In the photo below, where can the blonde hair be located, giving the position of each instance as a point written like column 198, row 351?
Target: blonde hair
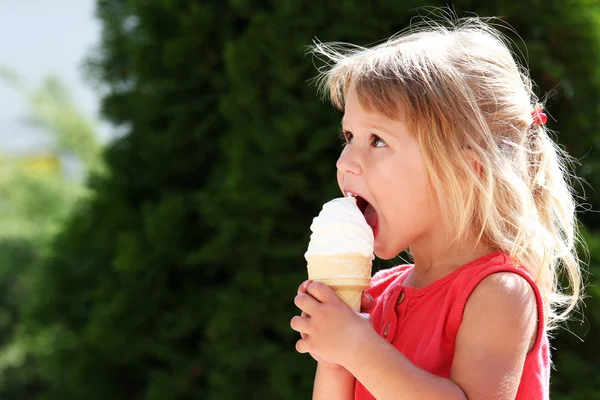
column 458, row 87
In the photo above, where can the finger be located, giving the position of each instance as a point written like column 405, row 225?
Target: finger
column 306, row 303
column 304, row 315
column 366, row 302
column 322, row 292
column 303, row 286
column 300, row 324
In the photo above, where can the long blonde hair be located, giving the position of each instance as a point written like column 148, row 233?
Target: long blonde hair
column 458, row 87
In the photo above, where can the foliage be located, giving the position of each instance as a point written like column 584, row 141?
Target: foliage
column 34, row 202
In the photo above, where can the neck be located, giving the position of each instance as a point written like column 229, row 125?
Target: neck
column 434, row 261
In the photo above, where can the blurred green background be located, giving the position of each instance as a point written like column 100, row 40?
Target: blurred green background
column 169, row 272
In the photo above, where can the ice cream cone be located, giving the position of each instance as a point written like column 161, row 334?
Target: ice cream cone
column 347, row 274
column 340, row 250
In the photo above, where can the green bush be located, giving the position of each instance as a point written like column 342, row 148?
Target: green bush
column 34, row 202
column 176, row 280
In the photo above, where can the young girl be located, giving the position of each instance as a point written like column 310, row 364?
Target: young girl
column 447, row 151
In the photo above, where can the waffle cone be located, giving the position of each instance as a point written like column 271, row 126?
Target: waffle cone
column 347, row 274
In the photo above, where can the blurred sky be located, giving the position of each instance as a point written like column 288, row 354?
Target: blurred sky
column 38, row 37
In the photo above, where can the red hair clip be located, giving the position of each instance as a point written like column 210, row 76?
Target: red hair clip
column 539, row 117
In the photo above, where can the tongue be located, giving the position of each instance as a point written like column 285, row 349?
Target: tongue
column 371, row 216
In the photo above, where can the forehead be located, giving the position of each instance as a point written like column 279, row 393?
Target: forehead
column 357, row 113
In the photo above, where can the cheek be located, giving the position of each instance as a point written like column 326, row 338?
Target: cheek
column 405, row 206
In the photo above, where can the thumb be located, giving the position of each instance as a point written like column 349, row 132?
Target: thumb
column 366, row 302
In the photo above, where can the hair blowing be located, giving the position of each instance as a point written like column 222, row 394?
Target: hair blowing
column 464, row 97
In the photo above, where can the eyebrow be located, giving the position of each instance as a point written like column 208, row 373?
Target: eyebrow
column 378, row 127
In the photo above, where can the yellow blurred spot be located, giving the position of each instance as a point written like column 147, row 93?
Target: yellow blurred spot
column 43, row 164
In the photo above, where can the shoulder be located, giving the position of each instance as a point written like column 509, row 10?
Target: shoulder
column 498, row 292
column 503, row 308
column 509, row 294
column 504, row 299
column 495, row 283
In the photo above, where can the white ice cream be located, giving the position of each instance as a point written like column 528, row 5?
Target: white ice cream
column 340, row 228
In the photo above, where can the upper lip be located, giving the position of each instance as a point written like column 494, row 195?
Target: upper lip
column 349, row 191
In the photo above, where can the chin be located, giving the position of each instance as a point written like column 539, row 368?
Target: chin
column 387, row 253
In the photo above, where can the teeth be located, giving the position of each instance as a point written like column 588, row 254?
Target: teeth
column 348, row 194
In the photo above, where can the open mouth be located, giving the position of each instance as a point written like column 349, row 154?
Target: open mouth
column 362, row 204
column 367, row 210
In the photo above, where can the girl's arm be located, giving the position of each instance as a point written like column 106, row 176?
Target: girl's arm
column 333, row 383
column 498, row 328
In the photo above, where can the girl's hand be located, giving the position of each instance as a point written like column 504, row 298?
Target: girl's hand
column 302, row 289
column 327, row 333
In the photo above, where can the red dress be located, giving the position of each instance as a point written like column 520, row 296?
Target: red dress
column 423, row 323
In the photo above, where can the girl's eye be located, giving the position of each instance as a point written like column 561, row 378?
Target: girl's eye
column 376, row 141
column 346, row 136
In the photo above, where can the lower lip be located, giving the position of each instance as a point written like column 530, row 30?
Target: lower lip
column 375, row 229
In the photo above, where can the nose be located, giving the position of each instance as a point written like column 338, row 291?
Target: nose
column 349, row 161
